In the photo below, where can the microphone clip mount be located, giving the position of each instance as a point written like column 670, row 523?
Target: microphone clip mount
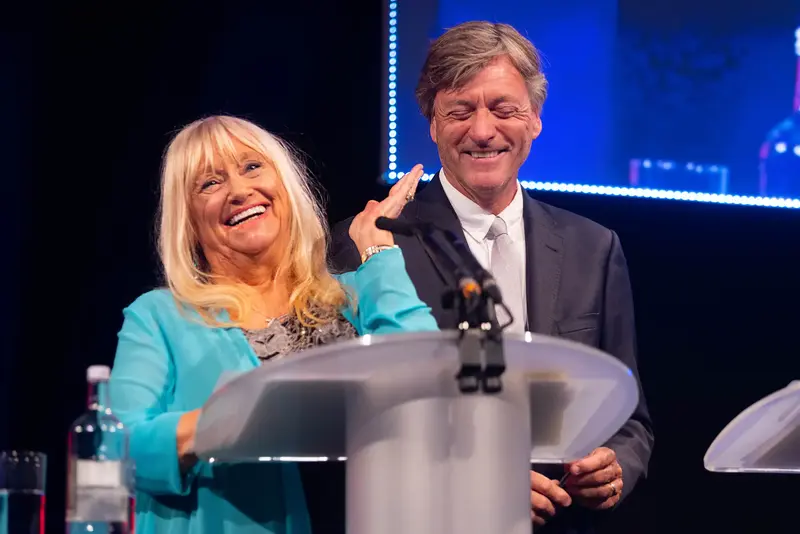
column 480, row 341
column 473, row 294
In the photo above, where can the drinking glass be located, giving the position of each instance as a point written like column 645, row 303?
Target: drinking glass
column 22, row 490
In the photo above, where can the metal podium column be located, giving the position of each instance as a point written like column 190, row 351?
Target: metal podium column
column 446, row 463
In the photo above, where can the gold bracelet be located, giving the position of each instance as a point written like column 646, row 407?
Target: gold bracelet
column 371, row 251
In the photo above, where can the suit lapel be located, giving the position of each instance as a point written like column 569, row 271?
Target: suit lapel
column 543, row 249
column 544, row 254
column 433, row 206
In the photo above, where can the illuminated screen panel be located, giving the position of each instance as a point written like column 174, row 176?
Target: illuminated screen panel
column 666, row 99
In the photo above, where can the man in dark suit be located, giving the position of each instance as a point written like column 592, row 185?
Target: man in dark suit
column 482, row 90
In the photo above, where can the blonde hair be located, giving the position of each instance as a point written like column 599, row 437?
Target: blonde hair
column 315, row 295
column 460, row 53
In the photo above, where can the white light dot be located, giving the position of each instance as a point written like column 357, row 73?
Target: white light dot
column 637, row 192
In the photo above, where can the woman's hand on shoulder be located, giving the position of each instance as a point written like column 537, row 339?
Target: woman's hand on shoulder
column 363, row 231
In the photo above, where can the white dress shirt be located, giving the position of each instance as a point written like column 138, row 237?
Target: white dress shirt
column 475, row 221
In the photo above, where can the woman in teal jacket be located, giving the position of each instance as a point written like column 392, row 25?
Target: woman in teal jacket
column 243, row 247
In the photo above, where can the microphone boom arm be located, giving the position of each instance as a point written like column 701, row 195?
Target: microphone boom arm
column 474, row 296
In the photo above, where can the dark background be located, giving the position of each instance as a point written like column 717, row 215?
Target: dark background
column 89, row 98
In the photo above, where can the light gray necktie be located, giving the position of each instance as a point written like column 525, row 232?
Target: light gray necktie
column 504, row 264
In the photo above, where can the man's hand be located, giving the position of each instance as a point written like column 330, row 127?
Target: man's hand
column 545, row 495
column 596, row 480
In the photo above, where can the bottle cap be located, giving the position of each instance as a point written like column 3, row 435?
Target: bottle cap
column 98, row 373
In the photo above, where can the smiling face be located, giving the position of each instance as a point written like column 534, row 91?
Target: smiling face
column 484, row 132
column 237, row 208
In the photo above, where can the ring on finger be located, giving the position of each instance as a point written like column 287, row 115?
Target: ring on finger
column 614, row 489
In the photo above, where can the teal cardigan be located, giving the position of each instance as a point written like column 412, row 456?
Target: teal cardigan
column 167, row 365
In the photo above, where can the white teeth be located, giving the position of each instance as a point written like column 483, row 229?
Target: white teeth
column 239, row 217
column 480, row 155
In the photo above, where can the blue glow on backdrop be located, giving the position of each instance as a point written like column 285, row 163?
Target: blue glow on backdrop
column 638, row 105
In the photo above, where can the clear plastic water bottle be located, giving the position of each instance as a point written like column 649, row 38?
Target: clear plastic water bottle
column 99, row 477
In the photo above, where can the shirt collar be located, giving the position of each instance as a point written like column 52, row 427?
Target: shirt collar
column 474, row 219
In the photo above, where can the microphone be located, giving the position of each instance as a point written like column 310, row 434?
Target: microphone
column 467, row 281
column 452, row 244
column 487, row 281
column 469, row 287
column 403, row 227
column 480, row 351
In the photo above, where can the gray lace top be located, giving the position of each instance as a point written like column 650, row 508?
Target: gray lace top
column 286, row 334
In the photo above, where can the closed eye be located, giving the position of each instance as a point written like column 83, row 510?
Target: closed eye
column 505, row 110
column 460, row 115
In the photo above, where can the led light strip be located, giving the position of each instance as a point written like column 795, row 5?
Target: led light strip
column 638, row 192
column 392, row 108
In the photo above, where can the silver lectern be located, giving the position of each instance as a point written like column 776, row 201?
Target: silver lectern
column 764, row 438
column 422, row 455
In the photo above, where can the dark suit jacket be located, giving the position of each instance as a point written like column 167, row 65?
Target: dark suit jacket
column 577, row 288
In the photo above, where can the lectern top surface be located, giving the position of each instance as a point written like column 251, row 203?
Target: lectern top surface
column 364, row 356
column 764, row 438
column 575, row 397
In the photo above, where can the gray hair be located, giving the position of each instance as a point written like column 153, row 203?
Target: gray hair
column 459, row 54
